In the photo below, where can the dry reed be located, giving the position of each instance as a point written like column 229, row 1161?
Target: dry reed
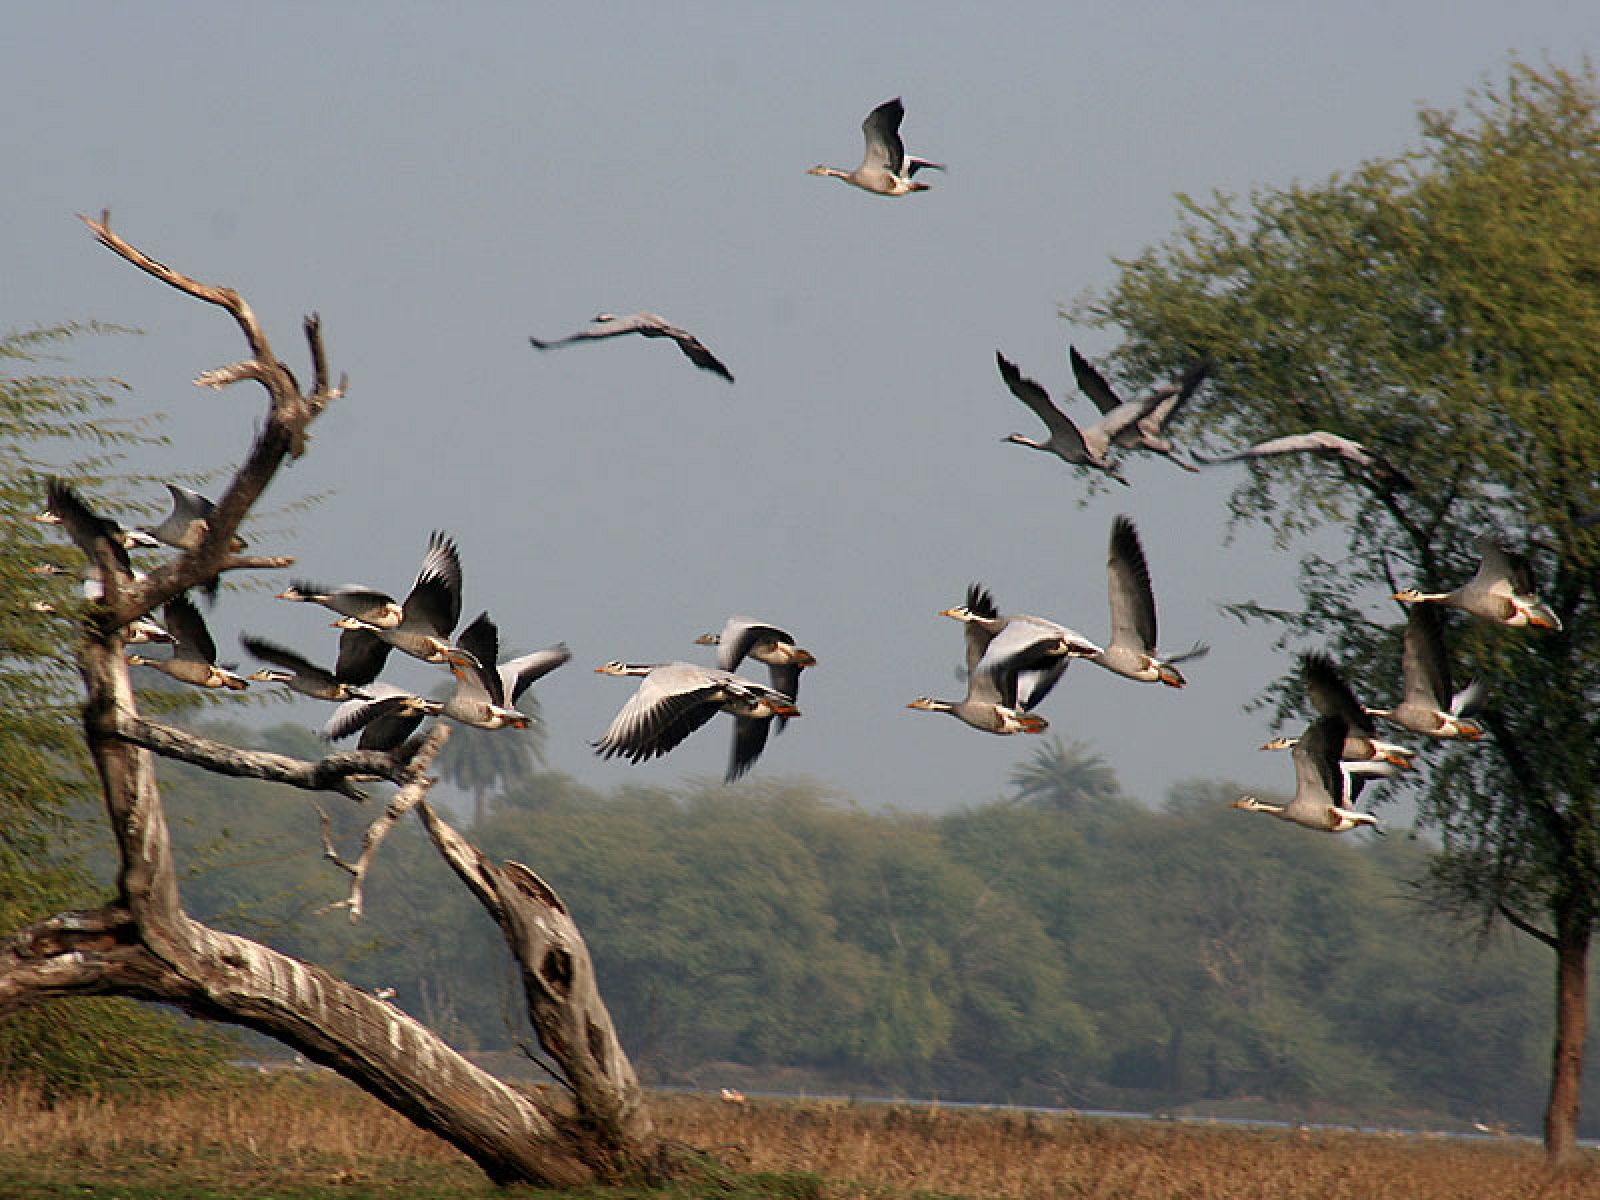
column 898, row 1151
column 292, row 1128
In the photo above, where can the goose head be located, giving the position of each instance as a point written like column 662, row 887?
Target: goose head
column 1251, row 804
column 618, row 667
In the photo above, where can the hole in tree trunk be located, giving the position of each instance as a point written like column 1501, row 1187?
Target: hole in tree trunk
column 556, row 970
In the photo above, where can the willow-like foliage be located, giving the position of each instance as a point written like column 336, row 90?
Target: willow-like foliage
column 53, row 422
column 1443, row 309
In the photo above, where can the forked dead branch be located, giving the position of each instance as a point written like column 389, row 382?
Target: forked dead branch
column 141, row 943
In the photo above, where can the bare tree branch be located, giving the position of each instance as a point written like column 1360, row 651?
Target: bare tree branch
column 223, row 297
column 144, row 945
column 558, row 977
column 1517, row 921
column 220, row 377
column 414, row 790
column 333, row 773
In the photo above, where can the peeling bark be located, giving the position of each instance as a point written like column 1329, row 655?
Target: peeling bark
column 564, row 1002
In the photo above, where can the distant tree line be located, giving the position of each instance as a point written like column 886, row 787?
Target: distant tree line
column 1062, row 945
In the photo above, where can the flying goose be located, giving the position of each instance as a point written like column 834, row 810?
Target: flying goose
column 145, row 630
column 981, row 617
column 87, row 529
column 186, row 524
column 1332, row 696
column 367, row 605
column 676, row 698
column 743, row 637
column 386, row 718
column 487, row 690
column 1131, row 652
column 1502, row 590
column 59, row 495
column 428, row 616
column 1086, row 447
column 90, row 585
column 1320, row 785
column 647, row 324
column 1328, row 445
column 194, row 654
column 140, row 629
column 991, row 703
column 1147, row 431
column 886, row 169
column 1425, row 666
column 298, row 673
column 1032, row 650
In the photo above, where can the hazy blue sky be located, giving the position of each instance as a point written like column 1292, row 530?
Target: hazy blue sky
column 440, row 182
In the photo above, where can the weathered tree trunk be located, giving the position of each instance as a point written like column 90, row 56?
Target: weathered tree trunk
column 1572, row 1024
column 144, row 945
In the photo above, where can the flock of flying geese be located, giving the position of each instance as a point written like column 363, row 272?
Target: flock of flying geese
column 1012, row 661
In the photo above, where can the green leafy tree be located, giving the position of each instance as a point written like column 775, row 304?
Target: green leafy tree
column 50, row 422
column 1442, row 308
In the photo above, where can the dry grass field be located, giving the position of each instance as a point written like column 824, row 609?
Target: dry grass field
column 296, row 1138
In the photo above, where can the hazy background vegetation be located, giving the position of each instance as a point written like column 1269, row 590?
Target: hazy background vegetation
column 1063, row 944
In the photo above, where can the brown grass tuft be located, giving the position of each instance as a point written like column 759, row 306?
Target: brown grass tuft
column 319, row 1133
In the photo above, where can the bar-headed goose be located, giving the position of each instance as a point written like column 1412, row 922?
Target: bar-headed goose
column 1332, row 696
column 386, row 718
column 486, row 691
column 367, row 605
column 1327, row 445
column 996, row 701
column 1086, row 447
column 1148, row 432
column 1033, row 650
column 1502, row 590
column 1428, row 705
column 647, row 324
column 187, row 522
column 676, row 698
column 1131, row 652
column 297, row 672
column 1320, row 785
column 429, row 614
column 886, row 169
column 194, row 654
column 990, row 705
column 745, row 637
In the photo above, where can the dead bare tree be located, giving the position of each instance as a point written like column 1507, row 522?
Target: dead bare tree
column 142, row 944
